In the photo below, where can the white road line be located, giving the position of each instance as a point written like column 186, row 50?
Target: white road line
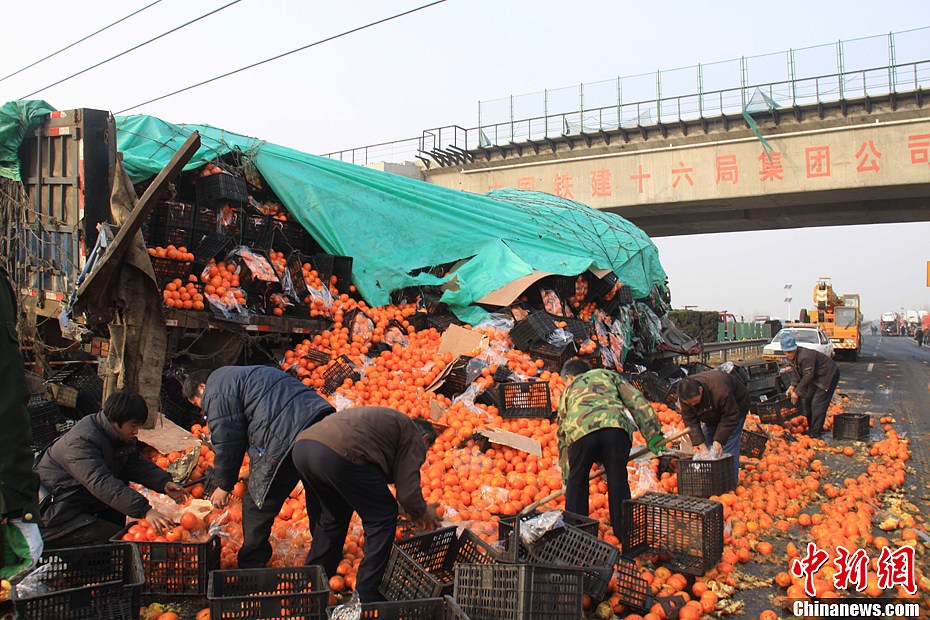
column 871, row 366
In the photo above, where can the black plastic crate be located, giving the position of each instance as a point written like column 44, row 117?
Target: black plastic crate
column 631, row 587
column 706, row 478
column 176, row 568
column 689, row 528
column 602, row 286
column 419, row 321
column 752, row 443
column 578, row 328
column 532, row 331
column 167, row 269
column 329, row 265
column 774, row 411
column 221, row 188
column 337, row 372
column 158, row 234
column 318, row 357
column 47, row 422
column 696, row 367
column 585, row 524
column 254, row 228
column 424, row 566
column 87, row 583
column 569, row 546
column 82, row 377
column 552, row 356
column 269, row 593
column 212, row 246
column 853, row 426
column 456, row 381
column 206, row 219
column 442, row 321
column 653, row 387
column 444, row 608
column 761, row 370
column 770, row 387
column 519, row 591
column 525, row 400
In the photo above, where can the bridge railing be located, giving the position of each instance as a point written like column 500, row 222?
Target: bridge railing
column 439, row 143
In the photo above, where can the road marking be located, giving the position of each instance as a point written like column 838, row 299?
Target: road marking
column 871, row 366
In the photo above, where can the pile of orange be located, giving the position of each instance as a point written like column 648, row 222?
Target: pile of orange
column 183, row 296
column 221, row 285
column 172, row 252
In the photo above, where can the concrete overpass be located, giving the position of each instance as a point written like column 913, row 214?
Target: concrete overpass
column 847, row 148
column 863, row 161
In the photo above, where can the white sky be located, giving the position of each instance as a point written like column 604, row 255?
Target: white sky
column 431, row 68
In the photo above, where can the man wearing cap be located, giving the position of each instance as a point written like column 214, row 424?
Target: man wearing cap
column 816, row 379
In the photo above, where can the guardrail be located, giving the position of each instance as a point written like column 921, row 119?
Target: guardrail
column 728, row 346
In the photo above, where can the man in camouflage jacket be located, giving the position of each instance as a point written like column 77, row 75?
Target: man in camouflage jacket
column 598, row 414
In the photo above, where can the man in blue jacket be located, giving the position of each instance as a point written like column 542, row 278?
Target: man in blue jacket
column 259, row 409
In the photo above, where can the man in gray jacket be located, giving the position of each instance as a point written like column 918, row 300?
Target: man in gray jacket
column 259, row 410
column 87, row 474
column 816, row 379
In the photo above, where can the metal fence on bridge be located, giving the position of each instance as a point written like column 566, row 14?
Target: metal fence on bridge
column 858, row 68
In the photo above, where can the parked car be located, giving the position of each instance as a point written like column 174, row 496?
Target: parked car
column 809, row 337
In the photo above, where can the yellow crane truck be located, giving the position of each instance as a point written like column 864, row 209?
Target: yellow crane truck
column 839, row 316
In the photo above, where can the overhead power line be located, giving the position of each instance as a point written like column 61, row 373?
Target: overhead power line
column 294, row 51
column 81, row 40
column 132, row 49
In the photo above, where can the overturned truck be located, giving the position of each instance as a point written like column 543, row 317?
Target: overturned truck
column 249, row 248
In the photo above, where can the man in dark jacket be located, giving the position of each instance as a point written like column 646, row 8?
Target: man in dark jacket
column 714, row 405
column 815, row 382
column 261, row 410
column 19, row 486
column 87, row 474
column 346, row 462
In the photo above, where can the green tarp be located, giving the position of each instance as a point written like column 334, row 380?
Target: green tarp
column 392, row 225
column 16, row 117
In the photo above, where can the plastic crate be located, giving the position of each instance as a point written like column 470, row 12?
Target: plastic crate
column 532, row 331
column 444, row 608
column 329, row 265
column 221, row 188
column 576, row 327
column 689, row 528
column 337, row 372
column 775, row 411
column 569, row 546
column 752, row 443
column 87, row 583
column 585, row 524
column 631, row 587
column 519, row 591
column 456, row 380
column 553, row 356
column 770, row 387
column 762, row 370
column 442, row 321
column 167, row 269
column 424, row 566
column 419, row 321
column 47, row 421
column 176, row 568
column 853, row 426
column 213, row 246
column 525, row 400
column 653, row 387
column 269, row 593
column 696, row 367
column 82, row 377
column 623, row 297
column 706, row 478
column 318, row 357
column 254, row 228
column 206, row 219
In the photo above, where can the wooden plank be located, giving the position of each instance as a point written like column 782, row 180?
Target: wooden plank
column 115, row 251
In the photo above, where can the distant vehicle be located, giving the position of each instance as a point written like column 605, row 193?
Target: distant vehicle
column 889, row 324
column 808, row 336
column 911, row 321
column 837, row 315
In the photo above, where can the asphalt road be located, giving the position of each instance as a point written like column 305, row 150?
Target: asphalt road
column 892, row 377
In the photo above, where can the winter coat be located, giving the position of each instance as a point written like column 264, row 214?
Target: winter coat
column 383, row 437
column 19, row 486
column 724, row 402
column 88, row 466
column 813, row 370
column 259, row 410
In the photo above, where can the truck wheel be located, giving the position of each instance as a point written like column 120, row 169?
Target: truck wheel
column 853, row 355
column 804, row 317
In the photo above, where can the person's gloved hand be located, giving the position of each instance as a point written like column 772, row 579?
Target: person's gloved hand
column 30, row 532
column 656, row 442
